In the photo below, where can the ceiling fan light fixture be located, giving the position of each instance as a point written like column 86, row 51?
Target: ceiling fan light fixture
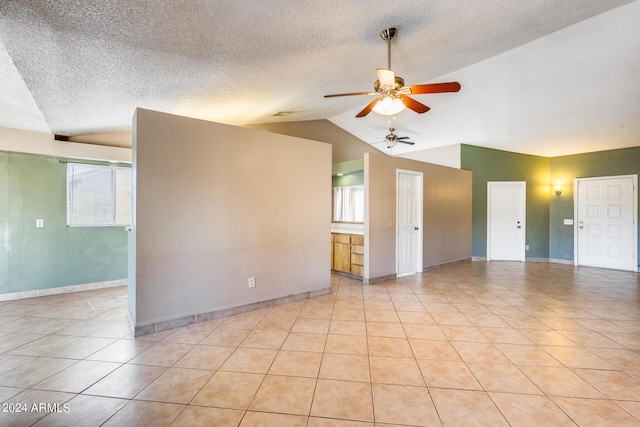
column 394, row 95
column 389, row 106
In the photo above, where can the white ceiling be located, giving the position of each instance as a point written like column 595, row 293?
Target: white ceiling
column 545, row 77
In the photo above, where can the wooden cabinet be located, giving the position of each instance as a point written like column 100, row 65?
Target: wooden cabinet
column 347, row 253
column 341, row 253
column 332, row 251
column 357, row 255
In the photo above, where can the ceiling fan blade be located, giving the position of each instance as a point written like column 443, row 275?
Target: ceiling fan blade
column 368, row 108
column 347, row 94
column 386, row 77
column 435, row 88
column 414, row 105
column 407, row 142
column 403, row 137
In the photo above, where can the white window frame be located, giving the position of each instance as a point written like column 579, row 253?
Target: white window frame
column 114, row 195
column 348, row 212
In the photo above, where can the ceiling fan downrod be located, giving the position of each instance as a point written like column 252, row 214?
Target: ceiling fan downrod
column 388, row 35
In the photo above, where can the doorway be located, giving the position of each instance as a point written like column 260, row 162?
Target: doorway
column 409, row 222
column 506, row 207
column 606, row 230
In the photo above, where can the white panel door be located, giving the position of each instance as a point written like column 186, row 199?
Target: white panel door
column 408, row 223
column 506, row 220
column 605, row 223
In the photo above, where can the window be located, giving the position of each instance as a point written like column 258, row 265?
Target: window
column 348, row 204
column 98, row 195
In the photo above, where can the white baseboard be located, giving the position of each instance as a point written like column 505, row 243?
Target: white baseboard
column 532, row 259
column 62, row 290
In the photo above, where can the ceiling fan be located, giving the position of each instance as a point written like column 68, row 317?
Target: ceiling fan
column 393, row 94
column 392, row 139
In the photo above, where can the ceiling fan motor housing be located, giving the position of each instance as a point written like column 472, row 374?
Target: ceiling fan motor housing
column 399, row 84
column 392, row 138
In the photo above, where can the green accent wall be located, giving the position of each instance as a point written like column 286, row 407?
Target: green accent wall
column 355, row 178
column 496, row 165
column 564, row 170
column 34, row 187
column 547, row 236
column 353, row 171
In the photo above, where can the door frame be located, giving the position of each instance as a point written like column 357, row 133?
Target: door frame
column 524, row 216
column 419, row 216
column 634, row 196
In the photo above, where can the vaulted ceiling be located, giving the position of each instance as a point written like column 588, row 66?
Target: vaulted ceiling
column 545, row 77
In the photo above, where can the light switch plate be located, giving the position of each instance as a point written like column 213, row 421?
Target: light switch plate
column 568, row 222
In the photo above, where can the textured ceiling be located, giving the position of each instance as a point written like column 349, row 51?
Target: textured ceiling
column 544, row 77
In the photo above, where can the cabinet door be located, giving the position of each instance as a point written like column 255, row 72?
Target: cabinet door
column 357, row 270
column 357, row 258
column 342, row 257
column 331, row 259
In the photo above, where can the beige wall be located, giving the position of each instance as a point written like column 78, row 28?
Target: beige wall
column 217, row 204
column 446, row 213
column 449, row 155
column 345, row 146
column 44, row 144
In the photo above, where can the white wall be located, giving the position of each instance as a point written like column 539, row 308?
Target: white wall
column 217, row 204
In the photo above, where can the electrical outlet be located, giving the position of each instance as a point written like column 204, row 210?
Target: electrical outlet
column 39, row 223
column 252, row 282
column 526, row 247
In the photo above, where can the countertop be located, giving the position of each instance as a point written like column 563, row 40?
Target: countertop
column 347, row 228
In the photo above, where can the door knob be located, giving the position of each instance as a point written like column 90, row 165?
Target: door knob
column 581, row 226
column 416, row 228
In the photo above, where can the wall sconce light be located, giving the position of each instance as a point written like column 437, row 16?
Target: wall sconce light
column 558, row 189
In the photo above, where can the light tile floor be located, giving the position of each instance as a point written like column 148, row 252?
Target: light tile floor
column 472, row 344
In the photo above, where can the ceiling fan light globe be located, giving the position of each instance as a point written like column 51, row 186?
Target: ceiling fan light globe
column 389, row 106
